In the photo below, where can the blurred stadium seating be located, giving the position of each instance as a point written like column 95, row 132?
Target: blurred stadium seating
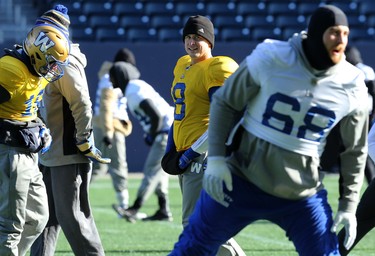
column 133, row 23
column 234, row 20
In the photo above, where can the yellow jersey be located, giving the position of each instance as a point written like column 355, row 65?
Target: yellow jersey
column 190, row 90
column 25, row 89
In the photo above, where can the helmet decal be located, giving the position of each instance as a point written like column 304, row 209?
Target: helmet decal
column 43, row 41
column 48, row 48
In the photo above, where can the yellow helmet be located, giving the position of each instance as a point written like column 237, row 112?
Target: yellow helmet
column 48, row 48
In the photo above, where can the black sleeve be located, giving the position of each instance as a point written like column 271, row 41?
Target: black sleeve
column 334, row 146
column 371, row 87
column 211, row 91
column 4, row 95
column 371, row 90
column 156, row 118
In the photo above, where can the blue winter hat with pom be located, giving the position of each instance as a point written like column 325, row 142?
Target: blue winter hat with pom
column 58, row 16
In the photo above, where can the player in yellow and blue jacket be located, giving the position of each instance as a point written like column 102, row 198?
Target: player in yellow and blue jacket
column 25, row 72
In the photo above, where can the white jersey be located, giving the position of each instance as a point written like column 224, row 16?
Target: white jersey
column 369, row 76
column 138, row 90
column 295, row 109
column 367, row 70
column 119, row 110
column 290, row 109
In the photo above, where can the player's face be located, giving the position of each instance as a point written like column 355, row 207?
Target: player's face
column 335, row 39
column 197, row 48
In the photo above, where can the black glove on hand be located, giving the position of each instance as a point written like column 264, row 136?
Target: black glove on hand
column 107, row 142
column 149, row 140
column 170, row 162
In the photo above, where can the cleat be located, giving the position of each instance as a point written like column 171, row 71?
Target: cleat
column 130, row 214
column 159, row 216
column 119, row 210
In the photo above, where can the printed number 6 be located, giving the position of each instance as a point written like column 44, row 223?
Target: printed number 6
column 287, row 119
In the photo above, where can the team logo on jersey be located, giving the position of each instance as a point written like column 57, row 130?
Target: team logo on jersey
column 196, row 167
column 43, row 42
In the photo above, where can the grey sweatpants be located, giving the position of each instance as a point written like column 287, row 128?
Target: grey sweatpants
column 70, row 208
column 154, row 179
column 118, row 168
column 23, row 200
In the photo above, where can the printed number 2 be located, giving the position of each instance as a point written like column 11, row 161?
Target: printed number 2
column 178, row 95
column 313, row 113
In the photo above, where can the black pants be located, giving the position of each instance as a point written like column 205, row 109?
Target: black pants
column 69, row 205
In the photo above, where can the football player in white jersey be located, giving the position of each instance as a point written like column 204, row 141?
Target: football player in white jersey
column 114, row 146
column 155, row 116
column 293, row 94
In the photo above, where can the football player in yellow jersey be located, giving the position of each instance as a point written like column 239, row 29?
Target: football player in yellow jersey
column 25, row 72
column 197, row 76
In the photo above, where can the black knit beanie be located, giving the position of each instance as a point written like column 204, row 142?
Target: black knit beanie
column 200, row 25
column 57, row 16
column 126, row 55
column 121, row 73
column 324, row 17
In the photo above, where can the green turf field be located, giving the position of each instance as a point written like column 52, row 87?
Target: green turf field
column 157, row 238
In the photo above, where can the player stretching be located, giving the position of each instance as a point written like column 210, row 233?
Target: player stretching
column 25, row 72
column 293, row 93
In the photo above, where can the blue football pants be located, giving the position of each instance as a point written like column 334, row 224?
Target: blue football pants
column 307, row 222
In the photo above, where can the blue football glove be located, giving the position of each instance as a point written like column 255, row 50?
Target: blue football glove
column 88, row 149
column 186, row 158
column 45, row 139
